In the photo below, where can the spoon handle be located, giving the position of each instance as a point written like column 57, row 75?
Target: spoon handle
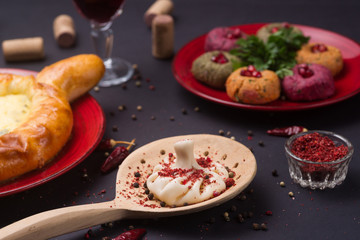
column 60, row 221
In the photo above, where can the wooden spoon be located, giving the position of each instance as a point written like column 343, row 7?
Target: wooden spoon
column 132, row 202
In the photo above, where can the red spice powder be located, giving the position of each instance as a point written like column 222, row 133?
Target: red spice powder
column 204, row 162
column 317, row 148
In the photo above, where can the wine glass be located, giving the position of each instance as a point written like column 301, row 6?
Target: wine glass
column 101, row 14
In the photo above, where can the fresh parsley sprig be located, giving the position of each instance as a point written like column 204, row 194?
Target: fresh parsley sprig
column 277, row 54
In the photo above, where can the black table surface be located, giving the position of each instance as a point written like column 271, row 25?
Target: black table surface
column 311, row 214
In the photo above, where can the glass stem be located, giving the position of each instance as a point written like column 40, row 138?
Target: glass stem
column 103, row 38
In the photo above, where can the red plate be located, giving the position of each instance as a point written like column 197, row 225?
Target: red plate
column 88, row 130
column 347, row 84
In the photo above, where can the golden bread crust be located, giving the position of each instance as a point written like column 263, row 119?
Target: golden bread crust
column 49, row 123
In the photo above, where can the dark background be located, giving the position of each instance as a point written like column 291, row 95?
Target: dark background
column 328, row 214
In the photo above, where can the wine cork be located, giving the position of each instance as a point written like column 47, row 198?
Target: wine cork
column 64, row 31
column 162, row 36
column 157, row 8
column 23, row 49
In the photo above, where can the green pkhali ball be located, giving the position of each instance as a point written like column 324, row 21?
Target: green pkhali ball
column 213, row 73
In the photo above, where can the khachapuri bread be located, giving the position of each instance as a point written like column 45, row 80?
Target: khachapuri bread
column 40, row 113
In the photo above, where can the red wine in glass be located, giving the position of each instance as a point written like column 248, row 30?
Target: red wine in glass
column 101, row 13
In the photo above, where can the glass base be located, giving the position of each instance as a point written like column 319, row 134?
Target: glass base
column 117, row 71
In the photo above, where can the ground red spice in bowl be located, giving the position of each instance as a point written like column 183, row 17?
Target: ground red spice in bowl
column 317, row 148
column 318, row 159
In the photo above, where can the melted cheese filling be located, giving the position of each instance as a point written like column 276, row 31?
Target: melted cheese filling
column 180, row 180
column 14, row 109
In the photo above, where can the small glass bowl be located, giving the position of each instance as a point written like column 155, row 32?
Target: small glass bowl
column 319, row 175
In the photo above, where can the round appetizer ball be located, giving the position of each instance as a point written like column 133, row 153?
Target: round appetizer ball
column 223, row 38
column 213, row 68
column 247, row 85
column 265, row 31
column 320, row 53
column 309, row 82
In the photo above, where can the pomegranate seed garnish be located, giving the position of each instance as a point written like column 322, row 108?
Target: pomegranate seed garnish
column 250, row 72
column 274, row 30
column 233, row 34
column 318, row 48
column 285, row 25
column 220, row 58
column 255, row 73
column 305, row 71
column 251, row 68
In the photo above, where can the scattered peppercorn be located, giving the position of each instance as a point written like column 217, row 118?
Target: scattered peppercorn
column 263, row 226
column 229, row 182
column 206, row 153
column 172, row 118
column 250, row 133
column 96, row 89
column 112, row 113
column 133, row 117
column 183, row 110
column 291, row 194
column 124, row 86
column 282, row 184
column 162, row 204
column 138, row 83
column 242, row 197
column 121, row 107
column 275, row 173
column 250, row 214
column 162, row 152
column 147, row 191
column 137, row 174
column 115, row 128
column 152, row 117
column 139, row 108
column 221, row 132
column 231, row 174
column 261, row 143
column 228, row 133
column 197, row 109
column 232, row 138
column 240, row 218
column 151, row 196
column 256, row 226
column 136, row 184
column 143, row 161
column 233, row 208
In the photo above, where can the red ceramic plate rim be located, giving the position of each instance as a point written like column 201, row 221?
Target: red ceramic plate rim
column 347, row 83
column 88, row 130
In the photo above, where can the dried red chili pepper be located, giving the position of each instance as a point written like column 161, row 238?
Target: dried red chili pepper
column 133, row 234
column 286, row 131
column 116, row 157
column 107, row 144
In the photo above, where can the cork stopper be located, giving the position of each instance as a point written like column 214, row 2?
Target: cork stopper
column 163, row 36
column 23, row 49
column 159, row 7
column 64, row 31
